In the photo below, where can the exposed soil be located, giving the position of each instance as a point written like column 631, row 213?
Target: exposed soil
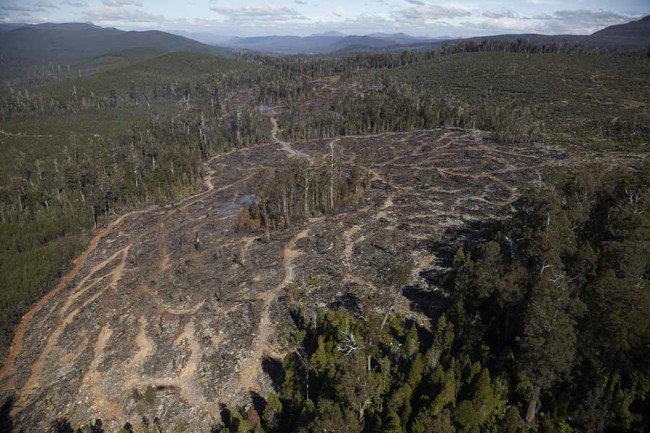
column 170, row 312
column 252, row 367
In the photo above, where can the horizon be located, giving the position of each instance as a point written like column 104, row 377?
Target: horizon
column 253, row 18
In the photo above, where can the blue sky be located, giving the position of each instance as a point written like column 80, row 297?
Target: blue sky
column 302, row 17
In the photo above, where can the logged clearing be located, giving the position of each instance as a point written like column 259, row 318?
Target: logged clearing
column 170, row 311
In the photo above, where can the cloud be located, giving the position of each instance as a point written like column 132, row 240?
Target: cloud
column 76, row 4
column 45, row 4
column 369, row 21
column 120, row 3
column 300, row 2
column 416, row 2
column 13, row 8
column 581, row 21
column 426, row 13
column 267, row 15
column 128, row 16
column 583, row 17
column 578, row 21
column 498, row 15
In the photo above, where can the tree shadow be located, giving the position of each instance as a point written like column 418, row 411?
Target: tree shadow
column 226, row 415
column 258, row 402
column 6, row 423
column 469, row 234
column 477, row 231
column 431, row 304
column 274, row 368
column 349, row 302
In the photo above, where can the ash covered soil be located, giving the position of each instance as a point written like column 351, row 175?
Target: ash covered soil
column 170, row 311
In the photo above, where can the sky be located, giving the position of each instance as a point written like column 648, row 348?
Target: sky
column 303, row 17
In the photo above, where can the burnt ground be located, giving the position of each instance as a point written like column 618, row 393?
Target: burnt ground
column 170, row 312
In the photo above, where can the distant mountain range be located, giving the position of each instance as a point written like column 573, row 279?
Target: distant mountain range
column 633, row 35
column 25, row 45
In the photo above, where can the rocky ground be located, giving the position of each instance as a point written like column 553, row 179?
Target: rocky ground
column 170, row 312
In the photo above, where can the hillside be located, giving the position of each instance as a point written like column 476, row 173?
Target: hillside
column 364, row 43
column 145, row 74
column 635, row 29
column 493, row 79
column 56, row 43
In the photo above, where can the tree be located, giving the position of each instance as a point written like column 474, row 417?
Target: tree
column 548, row 343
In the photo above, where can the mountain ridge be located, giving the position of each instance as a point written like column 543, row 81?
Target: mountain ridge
column 53, row 43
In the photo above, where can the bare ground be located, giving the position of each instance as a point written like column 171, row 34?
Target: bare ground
column 170, row 312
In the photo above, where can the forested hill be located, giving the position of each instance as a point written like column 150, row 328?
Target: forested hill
column 32, row 45
column 143, row 76
column 634, row 29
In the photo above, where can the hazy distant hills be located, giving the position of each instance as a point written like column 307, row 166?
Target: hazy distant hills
column 633, row 35
column 286, row 44
column 324, row 43
column 89, row 47
column 25, row 45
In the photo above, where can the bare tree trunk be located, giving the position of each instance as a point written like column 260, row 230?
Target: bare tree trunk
column 383, row 322
column 532, row 406
column 331, row 177
column 265, row 218
column 306, row 195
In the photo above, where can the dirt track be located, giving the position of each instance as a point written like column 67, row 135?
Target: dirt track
column 171, row 299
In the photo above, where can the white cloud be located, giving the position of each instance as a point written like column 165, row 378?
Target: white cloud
column 114, row 15
column 559, row 22
column 498, row 15
column 268, row 15
column 18, row 8
column 585, row 19
column 120, row 3
column 45, row 4
column 427, row 13
column 76, row 3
